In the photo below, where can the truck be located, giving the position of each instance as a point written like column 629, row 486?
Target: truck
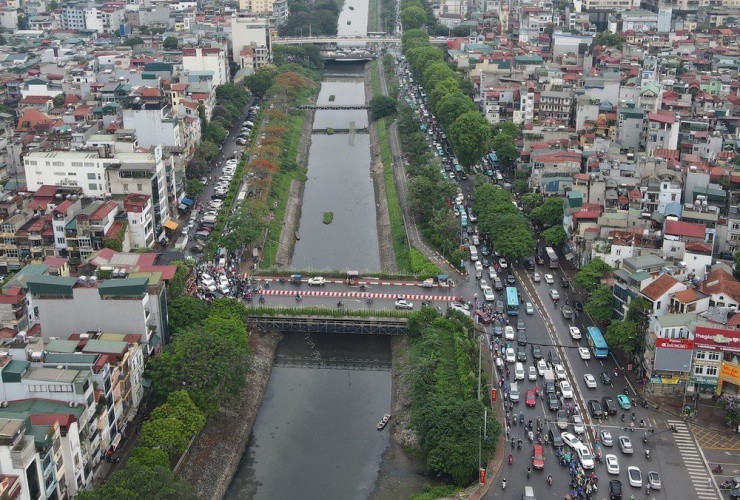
column 549, row 381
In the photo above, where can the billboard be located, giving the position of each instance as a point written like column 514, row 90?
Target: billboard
column 673, row 355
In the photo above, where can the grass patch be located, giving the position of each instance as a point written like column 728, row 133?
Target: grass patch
column 430, row 492
column 372, row 18
column 328, row 217
column 421, row 265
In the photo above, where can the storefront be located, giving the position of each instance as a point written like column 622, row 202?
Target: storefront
column 729, row 378
column 671, row 366
column 712, row 347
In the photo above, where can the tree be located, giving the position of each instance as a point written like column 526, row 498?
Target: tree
column 609, row 39
column 591, row 275
column 180, row 407
column 515, row 244
column 508, row 129
column 170, row 43
column 149, row 457
column 451, row 106
column 382, row 106
column 58, row 100
column 139, row 481
column 736, row 259
column 507, row 154
column 261, row 80
column 185, row 311
column 549, row 213
column 245, row 226
column 530, row 201
column 470, row 135
column 435, row 73
column 414, row 38
column 194, row 188
column 133, row 41
column 599, row 304
column 621, row 335
column 413, row 18
column 554, row 236
column 421, row 56
column 166, row 434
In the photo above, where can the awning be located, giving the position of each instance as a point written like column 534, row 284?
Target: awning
column 187, row 201
column 170, row 224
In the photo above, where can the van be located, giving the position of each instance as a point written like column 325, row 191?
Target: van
column 514, row 392
column 528, row 493
column 519, row 371
column 473, row 253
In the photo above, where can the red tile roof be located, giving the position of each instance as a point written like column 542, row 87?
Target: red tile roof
column 662, row 117
column 720, row 281
column 687, row 229
column 659, row 287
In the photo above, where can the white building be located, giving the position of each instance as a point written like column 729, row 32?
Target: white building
column 207, row 59
column 154, row 123
column 138, row 208
column 661, row 131
column 106, row 19
column 250, row 32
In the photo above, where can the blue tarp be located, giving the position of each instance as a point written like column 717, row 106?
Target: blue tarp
column 187, row 201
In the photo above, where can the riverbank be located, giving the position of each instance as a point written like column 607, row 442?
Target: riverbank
column 215, row 455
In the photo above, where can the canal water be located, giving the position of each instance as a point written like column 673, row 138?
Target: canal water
column 315, row 436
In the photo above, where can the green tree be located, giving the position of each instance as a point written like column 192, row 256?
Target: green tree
column 413, row 18
column 194, row 188
column 599, row 304
column 421, row 56
column 452, row 106
column 414, row 38
column 170, row 43
column 58, row 100
column 554, row 236
column 137, row 481
column 133, row 41
column 247, row 225
column 435, row 73
column 215, row 133
column 591, row 275
column 262, row 79
column 230, row 309
column 621, row 335
column 166, row 434
column 470, row 136
column 180, row 407
column 530, row 201
column 185, row 311
column 149, row 457
column 508, row 129
column 441, row 89
column 609, row 39
column 515, row 244
column 382, row 106
column 549, row 213
column 736, row 260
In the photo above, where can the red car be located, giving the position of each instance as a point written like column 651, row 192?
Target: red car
column 538, row 457
column 483, row 317
column 530, row 399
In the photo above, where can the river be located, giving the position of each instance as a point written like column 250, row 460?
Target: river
column 315, row 435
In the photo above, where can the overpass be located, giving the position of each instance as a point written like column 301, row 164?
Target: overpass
column 328, row 324
column 298, row 40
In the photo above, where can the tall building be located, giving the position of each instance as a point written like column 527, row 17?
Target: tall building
column 252, row 33
column 207, row 59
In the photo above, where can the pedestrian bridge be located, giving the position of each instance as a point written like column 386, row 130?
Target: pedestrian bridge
column 328, row 324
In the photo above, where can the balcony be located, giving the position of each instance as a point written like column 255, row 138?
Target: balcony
column 22, row 453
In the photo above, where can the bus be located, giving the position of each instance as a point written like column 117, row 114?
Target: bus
column 512, row 301
column 597, row 343
column 551, row 258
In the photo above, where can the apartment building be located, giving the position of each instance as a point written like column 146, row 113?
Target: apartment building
column 211, row 59
column 634, row 274
column 249, row 32
column 661, row 131
column 556, row 107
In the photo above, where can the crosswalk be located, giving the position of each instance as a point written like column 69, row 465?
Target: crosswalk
column 693, row 462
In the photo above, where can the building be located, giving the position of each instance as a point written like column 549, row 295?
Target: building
column 138, row 208
column 211, row 59
column 657, row 293
column 661, row 131
column 249, row 32
column 634, row 274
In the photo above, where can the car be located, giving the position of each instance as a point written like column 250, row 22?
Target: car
column 560, row 372
column 564, row 283
column 541, row 367
column 562, row 420
column 584, row 455
column 612, row 464
column 538, row 457
column 404, row 304
column 519, row 371
column 566, row 390
column 536, row 351
column 479, row 270
column 625, row 445
column 554, row 295
column 594, row 408
column 624, row 401
column 555, row 438
column 554, row 358
column 536, row 277
column 521, row 354
column 654, row 480
column 575, row 333
column 608, row 405
column 577, row 422
column 529, row 308
column 570, row 439
column 635, row 476
column 615, row 489
column 511, row 280
column 510, row 355
column 488, row 294
column 549, row 279
column 502, row 263
column 492, row 274
column 606, row 379
column 521, row 338
column 509, row 332
column 498, row 330
column 590, row 381
column 520, row 324
column 461, row 308
column 584, row 353
column 483, row 317
column 606, row 438
column 532, row 373
column 552, row 402
column 316, row 281
column 498, row 284
column 530, row 398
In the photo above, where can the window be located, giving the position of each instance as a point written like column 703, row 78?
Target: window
column 60, row 241
column 91, row 177
column 92, row 187
column 714, row 356
column 71, row 173
column 711, row 370
column 699, row 370
column 57, row 164
column 700, row 355
column 77, row 163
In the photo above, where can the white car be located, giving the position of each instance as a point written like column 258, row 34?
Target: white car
column 455, row 306
column 625, row 445
column 488, row 294
column 590, row 381
column 560, row 372
column 536, row 277
column 529, row 308
column 208, row 284
column 509, row 332
column 519, row 371
column 612, row 464
column 554, row 295
column 566, row 390
column 492, row 274
column 635, row 476
column 317, row 281
column 482, row 283
column 404, row 304
column 606, row 438
column 584, row 455
column 549, row 279
column 502, row 262
column 584, row 353
column 541, row 367
column 575, row 333
column 510, row 355
column 578, row 427
column 571, row 440
column 478, row 266
column 532, row 373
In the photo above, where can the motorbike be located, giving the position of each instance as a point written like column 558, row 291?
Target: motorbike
column 644, row 438
column 511, row 459
column 519, row 445
column 281, row 280
column 727, row 485
column 642, row 422
column 362, row 287
column 530, row 435
column 262, row 299
column 298, row 297
column 549, row 480
column 529, row 472
column 368, row 301
column 503, row 484
column 339, row 304
column 647, row 454
column 717, row 470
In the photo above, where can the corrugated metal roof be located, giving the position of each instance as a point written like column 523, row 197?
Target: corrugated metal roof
column 51, row 285
column 123, row 287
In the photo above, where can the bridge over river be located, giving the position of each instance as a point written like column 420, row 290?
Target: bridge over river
column 329, row 324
